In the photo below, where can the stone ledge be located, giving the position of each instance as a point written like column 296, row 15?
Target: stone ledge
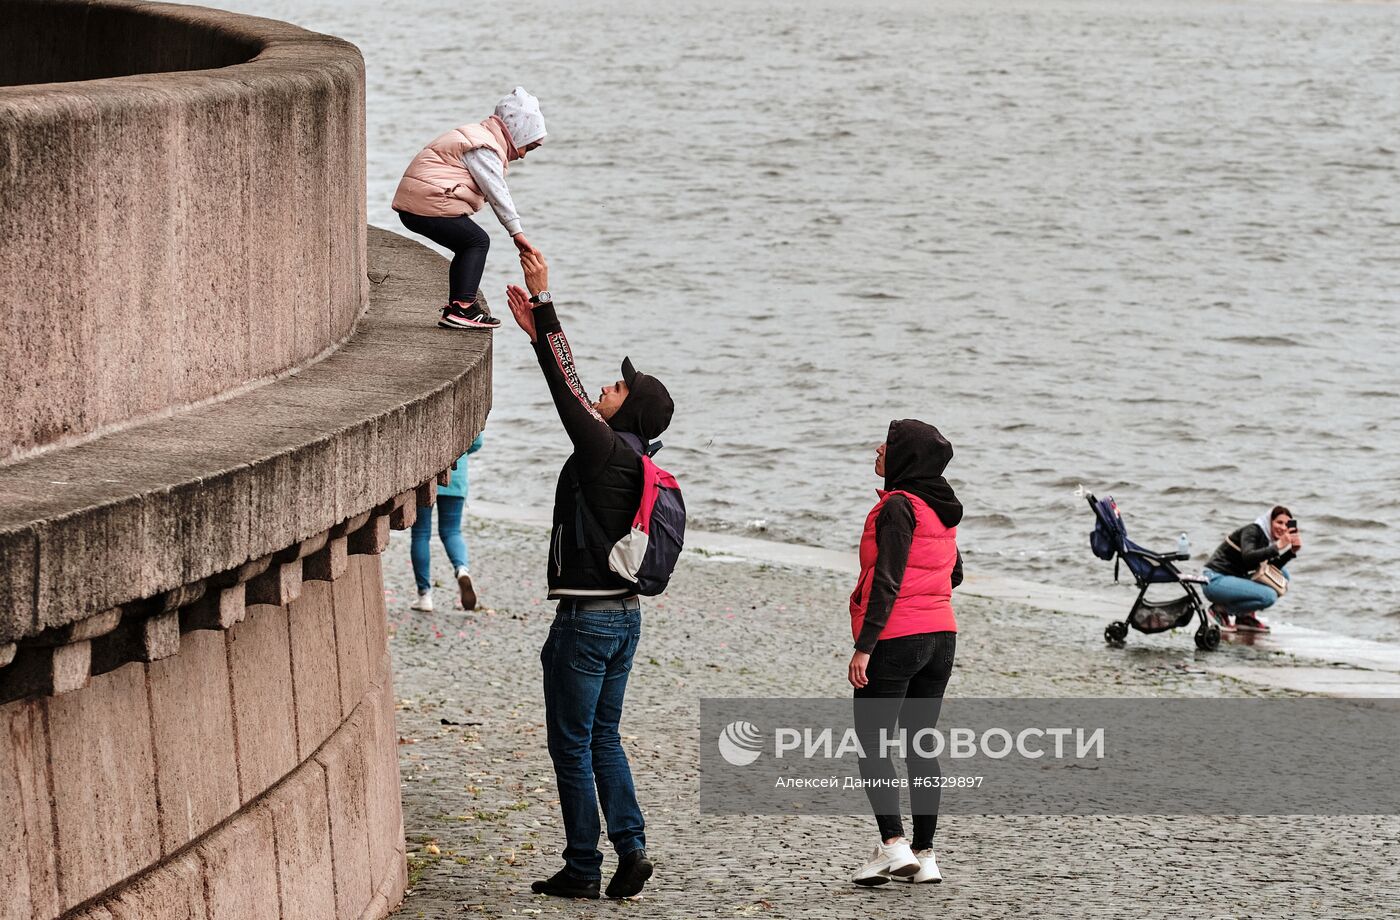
column 159, row 507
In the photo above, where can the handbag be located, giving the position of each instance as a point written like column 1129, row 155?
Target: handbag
column 1272, row 576
column 1268, row 574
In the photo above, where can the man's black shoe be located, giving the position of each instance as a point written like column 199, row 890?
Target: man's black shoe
column 564, row 885
column 632, row 873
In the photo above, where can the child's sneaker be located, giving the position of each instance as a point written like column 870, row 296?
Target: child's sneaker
column 1248, row 622
column 424, row 602
column 458, row 315
column 464, row 584
column 928, row 868
column 890, row 860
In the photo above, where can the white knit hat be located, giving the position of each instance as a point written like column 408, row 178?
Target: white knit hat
column 521, row 113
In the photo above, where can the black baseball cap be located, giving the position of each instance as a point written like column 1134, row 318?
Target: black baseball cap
column 648, row 409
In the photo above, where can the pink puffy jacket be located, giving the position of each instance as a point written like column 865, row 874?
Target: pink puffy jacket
column 436, row 184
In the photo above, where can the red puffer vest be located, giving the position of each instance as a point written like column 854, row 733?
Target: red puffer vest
column 925, row 601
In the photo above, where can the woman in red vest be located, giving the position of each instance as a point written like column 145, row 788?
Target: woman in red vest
column 905, row 637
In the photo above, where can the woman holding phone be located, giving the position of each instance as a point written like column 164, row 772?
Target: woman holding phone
column 1272, row 538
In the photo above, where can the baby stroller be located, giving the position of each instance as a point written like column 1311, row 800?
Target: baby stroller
column 1110, row 541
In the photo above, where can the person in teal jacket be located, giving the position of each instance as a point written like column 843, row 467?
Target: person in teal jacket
column 451, row 499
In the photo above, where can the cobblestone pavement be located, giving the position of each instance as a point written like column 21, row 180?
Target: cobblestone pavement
column 480, row 810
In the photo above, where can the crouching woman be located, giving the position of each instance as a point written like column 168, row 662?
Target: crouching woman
column 905, row 637
column 1273, row 539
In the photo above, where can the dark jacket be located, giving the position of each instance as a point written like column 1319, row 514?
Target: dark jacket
column 603, row 469
column 916, row 454
column 1254, row 547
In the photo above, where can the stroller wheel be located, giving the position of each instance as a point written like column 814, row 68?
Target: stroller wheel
column 1208, row 638
column 1114, row 633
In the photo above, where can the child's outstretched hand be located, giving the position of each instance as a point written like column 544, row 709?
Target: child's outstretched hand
column 521, row 309
column 523, row 244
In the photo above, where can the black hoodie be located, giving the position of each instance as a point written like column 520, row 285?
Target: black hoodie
column 603, row 469
column 916, row 454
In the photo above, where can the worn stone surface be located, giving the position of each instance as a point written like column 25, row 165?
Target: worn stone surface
column 385, row 813
column 343, row 761
column 350, row 642
column 172, row 891
column 192, row 723
column 240, row 866
column 174, row 175
column 147, row 759
column 160, row 636
column 373, row 538
column 278, row 586
column 371, row 576
column 301, row 822
column 404, row 515
column 315, row 667
column 479, row 786
column 264, row 717
column 146, row 510
column 328, row 563
column 71, row 665
column 28, row 864
column 103, row 783
column 219, row 608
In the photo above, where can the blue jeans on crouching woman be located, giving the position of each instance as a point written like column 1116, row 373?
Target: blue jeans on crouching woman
column 1239, row 595
column 586, row 659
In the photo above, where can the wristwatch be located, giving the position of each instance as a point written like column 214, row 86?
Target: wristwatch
column 541, row 298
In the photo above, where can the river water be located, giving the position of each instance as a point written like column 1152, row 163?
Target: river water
column 1149, row 249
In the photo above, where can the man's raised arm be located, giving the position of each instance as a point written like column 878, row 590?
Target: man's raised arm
column 592, row 438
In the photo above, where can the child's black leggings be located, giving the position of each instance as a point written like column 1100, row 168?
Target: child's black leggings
column 468, row 242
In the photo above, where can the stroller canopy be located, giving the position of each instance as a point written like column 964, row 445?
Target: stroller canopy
column 1110, row 539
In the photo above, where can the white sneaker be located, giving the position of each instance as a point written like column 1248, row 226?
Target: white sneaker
column 464, row 585
column 890, row 860
column 928, row 868
column 424, row 602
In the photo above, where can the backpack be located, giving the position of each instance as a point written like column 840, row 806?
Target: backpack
column 647, row 554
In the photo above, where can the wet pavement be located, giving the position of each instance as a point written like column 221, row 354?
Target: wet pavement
column 480, row 810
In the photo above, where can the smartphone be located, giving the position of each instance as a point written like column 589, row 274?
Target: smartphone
column 1293, row 525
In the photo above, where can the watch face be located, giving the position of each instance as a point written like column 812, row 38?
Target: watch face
column 543, row 297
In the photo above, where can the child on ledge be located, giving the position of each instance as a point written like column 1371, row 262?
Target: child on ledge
column 451, row 178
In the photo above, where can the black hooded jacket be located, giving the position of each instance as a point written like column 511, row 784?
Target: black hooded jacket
column 603, row 468
column 916, row 454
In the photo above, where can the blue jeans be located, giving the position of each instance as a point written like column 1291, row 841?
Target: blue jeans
column 449, row 530
column 586, row 661
column 1238, row 595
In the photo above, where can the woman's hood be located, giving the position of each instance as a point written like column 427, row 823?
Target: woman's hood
column 522, row 117
column 916, row 454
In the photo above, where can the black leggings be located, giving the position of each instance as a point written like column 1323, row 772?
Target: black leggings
column 468, row 242
column 907, row 677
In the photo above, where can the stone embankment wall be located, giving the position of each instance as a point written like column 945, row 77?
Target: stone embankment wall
column 223, row 393
column 169, row 236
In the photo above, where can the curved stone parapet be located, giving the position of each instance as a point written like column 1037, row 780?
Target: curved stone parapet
column 182, row 209
column 159, row 515
column 223, row 392
column 217, row 738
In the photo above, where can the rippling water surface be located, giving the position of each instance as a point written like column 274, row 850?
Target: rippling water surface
column 1150, row 248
